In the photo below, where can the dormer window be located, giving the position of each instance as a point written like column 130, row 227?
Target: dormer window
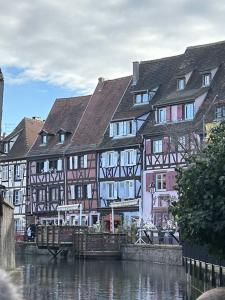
column 61, row 137
column 141, row 98
column 6, row 148
column 181, row 82
column 123, row 128
column 44, row 139
column 206, row 79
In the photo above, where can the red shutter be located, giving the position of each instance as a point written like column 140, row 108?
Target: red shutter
column 168, row 114
column 165, row 144
column 170, row 180
column 148, row 145
column 150, row 177
column 179, row 112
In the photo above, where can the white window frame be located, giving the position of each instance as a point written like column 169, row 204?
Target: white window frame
column 122, row 129
column 5, row 173
column 141, row 98
column 44, row 139
column 206, row 79
column 160, row 182
column 162, row 115
column 111, row 159
column 189, row 111
column 17, row 172
column 181, row 83
column 111, row 188
column 128, row 157
column 6, row 147
column 158, row 146
column 62, row 138
column 17, row 197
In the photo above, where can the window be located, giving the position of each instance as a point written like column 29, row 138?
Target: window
column 61, row 137
column 125, row 128
column 54, row 194
column 6, row 148
column 5, row 173
column 41, row 195
column 17, row 197
column 128, row 157
column 18, row 172
column 181, row 84
column 81, row 162
column 189, row 111
column 111, row 159
column 220, row 112
column 157, row 146
column 78, row 192
column 206, row 79
column 126, row 189
column 141, row 98
column 39, row 167
column 160, row 182
column 111, row 190
column 162, row 115
column 44, row 139
column 53, row 164
column 75, row 162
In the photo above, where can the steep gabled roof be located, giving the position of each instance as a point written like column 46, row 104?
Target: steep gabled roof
column 152, row 74
column 66, row 113
column 198, row 60
column 25, row 134
column 98, row 114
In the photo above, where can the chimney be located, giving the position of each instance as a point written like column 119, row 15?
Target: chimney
column 135, row 72
column 37, row 118
column 100, row 83
column 1, row 99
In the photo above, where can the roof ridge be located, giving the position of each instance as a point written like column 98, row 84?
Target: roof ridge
column 71, row 98
column 160, row 59
column 206, row 45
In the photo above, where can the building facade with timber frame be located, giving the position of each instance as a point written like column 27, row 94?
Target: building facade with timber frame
column 13, row 168
column 125, row 141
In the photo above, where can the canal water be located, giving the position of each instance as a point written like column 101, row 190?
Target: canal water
column 44, row 278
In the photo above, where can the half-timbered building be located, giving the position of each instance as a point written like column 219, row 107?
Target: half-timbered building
column 82, row 156
column 121, row 151
column 193, row 96
column 47, row 161
column 13, row 166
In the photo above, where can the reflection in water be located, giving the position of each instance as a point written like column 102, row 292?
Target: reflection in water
column 42, row 278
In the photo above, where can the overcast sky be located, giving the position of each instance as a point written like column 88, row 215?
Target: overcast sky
column 58, row 48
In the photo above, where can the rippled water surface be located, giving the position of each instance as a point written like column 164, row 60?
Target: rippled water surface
column 45, row 278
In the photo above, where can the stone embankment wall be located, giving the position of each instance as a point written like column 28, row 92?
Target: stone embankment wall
column 7, row 243
column 161, row 254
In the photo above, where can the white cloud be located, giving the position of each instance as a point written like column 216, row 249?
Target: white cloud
column 72, row 43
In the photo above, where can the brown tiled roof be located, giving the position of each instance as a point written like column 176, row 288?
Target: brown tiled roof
column 65, row 114
column 27, row 131
column 98, row 114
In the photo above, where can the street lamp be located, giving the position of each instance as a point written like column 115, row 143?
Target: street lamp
column 152, row 192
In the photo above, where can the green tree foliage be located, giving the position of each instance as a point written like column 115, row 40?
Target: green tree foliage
column 200, row 211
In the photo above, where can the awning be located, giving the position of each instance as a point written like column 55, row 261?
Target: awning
column 107, row 210
column 68, row 207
